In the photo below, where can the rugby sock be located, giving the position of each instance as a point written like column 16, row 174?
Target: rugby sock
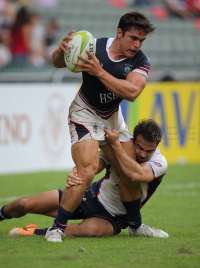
column 40, row 231
column 61, row 220
column 3, row 215
column 133, row 213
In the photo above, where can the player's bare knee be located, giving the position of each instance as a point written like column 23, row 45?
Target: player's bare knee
column 88, row 174
column 21, row 204
column 92, row 230
column 107, row 231
column 26, row 205
column 95, row 230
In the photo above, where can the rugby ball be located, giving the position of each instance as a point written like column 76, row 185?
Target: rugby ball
column 81, row 42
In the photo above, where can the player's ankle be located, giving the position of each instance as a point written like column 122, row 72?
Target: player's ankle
column 3, row 215
column 61, row 220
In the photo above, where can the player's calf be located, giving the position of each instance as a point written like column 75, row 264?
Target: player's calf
column 93, row 227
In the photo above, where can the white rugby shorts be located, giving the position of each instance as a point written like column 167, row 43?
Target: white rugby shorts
column 85, row 124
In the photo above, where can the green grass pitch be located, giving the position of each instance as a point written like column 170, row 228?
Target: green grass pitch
column 174, row 208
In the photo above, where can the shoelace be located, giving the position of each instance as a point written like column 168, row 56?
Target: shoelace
column 59, row 232
column 146, row 229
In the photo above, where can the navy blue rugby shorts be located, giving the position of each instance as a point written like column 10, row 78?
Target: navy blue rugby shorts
column 90, row 207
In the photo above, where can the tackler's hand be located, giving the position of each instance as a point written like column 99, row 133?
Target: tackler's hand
column 73, row 179
column 112, row 136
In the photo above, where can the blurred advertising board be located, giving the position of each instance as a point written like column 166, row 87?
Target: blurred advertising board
column 34, row 127
column 176, row 108
column 34, row 132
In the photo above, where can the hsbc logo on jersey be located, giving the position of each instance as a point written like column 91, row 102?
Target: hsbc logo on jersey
column 105, row 98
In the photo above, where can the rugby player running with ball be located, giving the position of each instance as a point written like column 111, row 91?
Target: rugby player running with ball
column 118, row 71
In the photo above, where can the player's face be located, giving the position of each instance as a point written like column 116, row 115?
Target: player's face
column 144, row 149
column 131, row 41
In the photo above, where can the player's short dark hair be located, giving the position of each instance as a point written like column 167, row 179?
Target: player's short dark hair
column 149, row 130
column 137, row 20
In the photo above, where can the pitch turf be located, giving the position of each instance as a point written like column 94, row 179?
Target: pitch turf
column 173, row 208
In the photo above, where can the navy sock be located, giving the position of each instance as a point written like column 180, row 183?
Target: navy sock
column 133, row 213
column 40, row 231
column 61, row 220
column 3, row 216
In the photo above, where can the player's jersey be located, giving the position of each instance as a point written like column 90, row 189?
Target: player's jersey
column 94, row 94
column 107, row 192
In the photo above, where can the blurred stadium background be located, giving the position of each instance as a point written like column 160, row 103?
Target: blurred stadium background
column 35, row 96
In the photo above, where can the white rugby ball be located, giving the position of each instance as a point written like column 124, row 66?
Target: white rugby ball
column 81, row 42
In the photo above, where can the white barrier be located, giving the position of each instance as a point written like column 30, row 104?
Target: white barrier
column 33, row 127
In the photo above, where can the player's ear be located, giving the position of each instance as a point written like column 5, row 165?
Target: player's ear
column 119, row 33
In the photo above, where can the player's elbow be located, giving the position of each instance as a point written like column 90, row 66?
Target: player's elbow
column 132, row 98
column 136, row 177
column 139, row 178
column 135, row 92
column 132, row 178
column 56, row 64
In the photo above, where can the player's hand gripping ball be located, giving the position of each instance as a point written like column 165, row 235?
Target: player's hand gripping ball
column 81, row 42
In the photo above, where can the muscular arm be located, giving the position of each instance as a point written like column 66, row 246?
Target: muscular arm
column 134, row 171
column 128, row 89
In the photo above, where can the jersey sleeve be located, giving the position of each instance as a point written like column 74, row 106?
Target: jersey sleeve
column 103, row 158
column 158, row 167
column 144, row 67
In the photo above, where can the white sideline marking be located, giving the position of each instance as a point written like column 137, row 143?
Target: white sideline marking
column 177, row 194
column 179, row 189
column 8, row 199
column 180, row 186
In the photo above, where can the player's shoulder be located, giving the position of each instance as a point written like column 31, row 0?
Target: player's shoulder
column 158, row 157
column 101, row 44
column 158, row 163
column 141, row 58
column 102, row 39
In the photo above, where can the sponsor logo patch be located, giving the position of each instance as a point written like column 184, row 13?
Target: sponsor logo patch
column 95, row 128
column 127, row 69
column 157, row 164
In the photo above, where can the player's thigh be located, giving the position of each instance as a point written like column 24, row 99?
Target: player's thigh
column 108, row 151
column 85, row 154
column 96, row 227
column 44, row 203
column 129, row 147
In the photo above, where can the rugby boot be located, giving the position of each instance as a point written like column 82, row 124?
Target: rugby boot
column 147, row 231
column 54, row 235
column 27, row 231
